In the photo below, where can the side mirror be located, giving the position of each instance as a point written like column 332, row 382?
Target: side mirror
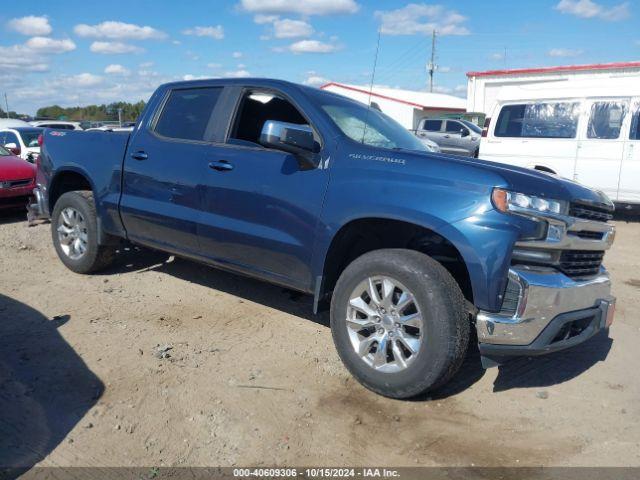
column 13, row 148
column 464, row 132
column 292, row 138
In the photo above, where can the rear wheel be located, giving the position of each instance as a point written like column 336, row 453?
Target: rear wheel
column 74, row 231
column 399, row 323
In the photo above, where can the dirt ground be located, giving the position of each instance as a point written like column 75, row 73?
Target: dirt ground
column 160, row 361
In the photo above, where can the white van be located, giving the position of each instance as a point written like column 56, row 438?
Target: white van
column 587, row 131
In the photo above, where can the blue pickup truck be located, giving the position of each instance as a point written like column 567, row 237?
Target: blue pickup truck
column 410, row 250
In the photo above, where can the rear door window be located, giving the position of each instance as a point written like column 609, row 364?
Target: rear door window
column 187, row 113
column 432, row 125
column 538, row 120
column 453, row 127
column 606, row 120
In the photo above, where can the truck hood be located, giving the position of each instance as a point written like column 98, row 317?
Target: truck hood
column 535, row 182
column 15, row 168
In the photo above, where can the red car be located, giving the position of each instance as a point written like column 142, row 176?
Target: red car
column 17, row 180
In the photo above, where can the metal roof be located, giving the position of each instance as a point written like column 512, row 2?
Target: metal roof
column 559, row 69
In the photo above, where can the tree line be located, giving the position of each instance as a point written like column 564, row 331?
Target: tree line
column 104, row 112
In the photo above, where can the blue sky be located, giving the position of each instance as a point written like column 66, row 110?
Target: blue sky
column 79, row 52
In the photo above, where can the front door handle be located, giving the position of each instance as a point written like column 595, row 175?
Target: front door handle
column 447, row 136
column 221, row 166
column 139, row 155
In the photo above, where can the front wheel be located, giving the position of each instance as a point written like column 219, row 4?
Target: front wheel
column 74, row 231
column 399, row 323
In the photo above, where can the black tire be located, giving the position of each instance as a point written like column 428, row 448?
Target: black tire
column 445, row 320
column 476, row 153
column 96, row 257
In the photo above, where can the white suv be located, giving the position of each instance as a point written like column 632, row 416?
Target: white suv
column 21, row 141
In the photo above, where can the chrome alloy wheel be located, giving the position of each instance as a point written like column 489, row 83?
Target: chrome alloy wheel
column 72, row 233
column 384, row 323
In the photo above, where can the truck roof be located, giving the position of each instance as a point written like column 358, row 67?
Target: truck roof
column 245, row 81
column 312, row 92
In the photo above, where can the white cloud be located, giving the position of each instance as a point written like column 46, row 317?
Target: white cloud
column 82, row 80
column 50, row 45
column 300, row 7
column 31, row 25
column 18, row 58
column 263, row 19
column 312, row 46
column 108, row 48
column 564, row 52
column 591, row 9
column 147, row 73
column 460, row 88
column 216, row 32
column 287, row 28
column 236, row 54
column 116, row 69
column 33, row 54
column 146, row 65
column 315, row 80
column 188, row 76
column 422, row 19
column 214, row 65
column 498, row 56
column 237, row 74
column 118, row 31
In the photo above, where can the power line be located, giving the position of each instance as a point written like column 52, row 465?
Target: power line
column 432, row 64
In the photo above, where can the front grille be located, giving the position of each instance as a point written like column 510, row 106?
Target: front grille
column 580, row 263
column 591, row 212
column 15, row 183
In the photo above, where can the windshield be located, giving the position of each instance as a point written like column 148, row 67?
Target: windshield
column 368, row 125
column 472, row 126
column 30, row 138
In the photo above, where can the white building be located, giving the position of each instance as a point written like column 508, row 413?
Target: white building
column 405, row 106
column 483, row 88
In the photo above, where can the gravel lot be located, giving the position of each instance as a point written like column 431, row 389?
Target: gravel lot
column 161, row 361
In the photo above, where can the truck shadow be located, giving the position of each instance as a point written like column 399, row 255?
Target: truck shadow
column 136, row 259
column 45, row 387
column 554, row 368
column 523, row 372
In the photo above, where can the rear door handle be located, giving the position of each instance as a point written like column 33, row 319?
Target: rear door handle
column 139, row 156
column 221, row 166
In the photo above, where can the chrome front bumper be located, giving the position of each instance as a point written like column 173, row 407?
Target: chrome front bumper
column 545, row 297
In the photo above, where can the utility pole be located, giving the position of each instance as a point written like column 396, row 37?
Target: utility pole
column 432, row 66
column 6, row 103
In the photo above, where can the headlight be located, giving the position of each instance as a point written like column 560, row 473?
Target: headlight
column 506, row 201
